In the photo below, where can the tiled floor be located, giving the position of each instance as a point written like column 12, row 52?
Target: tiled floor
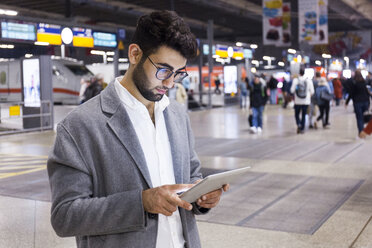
column 309, row 190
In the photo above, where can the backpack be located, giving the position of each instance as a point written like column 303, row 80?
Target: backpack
column 301, row 89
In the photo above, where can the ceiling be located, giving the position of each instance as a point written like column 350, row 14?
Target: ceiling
column 234, row 20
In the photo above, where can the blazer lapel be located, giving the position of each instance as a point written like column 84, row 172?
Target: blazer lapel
column 174, row 141
column 121, row 125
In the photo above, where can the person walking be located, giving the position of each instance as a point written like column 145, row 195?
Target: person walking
column 323, row 97
column 243, row 89
column 337, row 86
column 313, row 103
column 303, row 89
column 258, row 99
column 273, row 86
column 359, row 93
column 119, row 160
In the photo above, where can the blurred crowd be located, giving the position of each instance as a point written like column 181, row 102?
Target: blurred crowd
column 312, row 99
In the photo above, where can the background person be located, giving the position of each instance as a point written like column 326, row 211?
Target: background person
column 303, row 89
column 258, row 99
column 359, row 93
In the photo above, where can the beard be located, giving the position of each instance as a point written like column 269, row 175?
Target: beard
column 142, row 83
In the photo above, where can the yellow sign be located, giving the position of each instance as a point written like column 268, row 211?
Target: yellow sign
column 53, row 39
column 121, row 45
column 83, row 41
column 15, row 110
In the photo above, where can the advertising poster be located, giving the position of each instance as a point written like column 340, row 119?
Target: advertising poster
column 31, row 82
column 322, row 23
column 307, row 18
column 313, row 21
column 353, row 44
column 286, row 24
column 272, row 22
column 230, row 78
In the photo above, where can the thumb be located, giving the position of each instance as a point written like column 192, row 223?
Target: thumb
column 180, row 187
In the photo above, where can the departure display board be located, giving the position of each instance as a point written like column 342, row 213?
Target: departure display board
column 104, row 39
column 18, row 31
column 82, row 37
column 49, row 33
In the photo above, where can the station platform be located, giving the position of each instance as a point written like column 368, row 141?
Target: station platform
column 304, row 190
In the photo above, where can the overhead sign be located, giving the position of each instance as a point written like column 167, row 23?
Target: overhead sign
column 49, row 33
column 18, row 31
column 82, row 37
column 222, row 51
column 104, row 39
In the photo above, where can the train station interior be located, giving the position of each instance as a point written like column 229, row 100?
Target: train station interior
column 309, row 185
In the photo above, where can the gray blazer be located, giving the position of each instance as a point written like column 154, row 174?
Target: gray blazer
column 97, row 172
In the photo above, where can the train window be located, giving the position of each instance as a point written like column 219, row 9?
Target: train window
column 79, row 70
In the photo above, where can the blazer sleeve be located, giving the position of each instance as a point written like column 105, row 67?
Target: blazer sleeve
column 75, row 212
column 195, row 166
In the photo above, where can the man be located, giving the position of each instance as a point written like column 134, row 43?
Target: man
column 313, row 102
column 120, row 159
column 303, row 89
column 273, row 86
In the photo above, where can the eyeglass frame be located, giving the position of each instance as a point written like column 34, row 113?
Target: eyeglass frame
column 171, row 74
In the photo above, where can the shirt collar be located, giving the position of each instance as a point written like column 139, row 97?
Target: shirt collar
column 130, row 101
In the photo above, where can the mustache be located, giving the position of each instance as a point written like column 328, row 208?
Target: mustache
column 162, row 88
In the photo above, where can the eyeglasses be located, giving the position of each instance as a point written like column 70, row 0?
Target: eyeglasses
column 165, row 73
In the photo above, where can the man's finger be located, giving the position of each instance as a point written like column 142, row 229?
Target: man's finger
column 175, row 200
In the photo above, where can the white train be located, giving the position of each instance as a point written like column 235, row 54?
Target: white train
column 67, row 74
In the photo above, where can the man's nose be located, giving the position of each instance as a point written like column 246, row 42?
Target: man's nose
column 169, row 83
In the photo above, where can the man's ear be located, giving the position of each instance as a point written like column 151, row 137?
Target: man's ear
column 134, row 54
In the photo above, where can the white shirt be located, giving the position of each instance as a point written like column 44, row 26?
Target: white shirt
column 156, row 148
column 309, row 88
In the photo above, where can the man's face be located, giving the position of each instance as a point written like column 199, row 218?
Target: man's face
column 144, row 74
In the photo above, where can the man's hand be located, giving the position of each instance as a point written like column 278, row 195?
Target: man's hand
column 164, row 199
column 211, row 199
column 362, row 135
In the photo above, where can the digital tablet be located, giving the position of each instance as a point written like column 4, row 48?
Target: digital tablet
column 211, row 183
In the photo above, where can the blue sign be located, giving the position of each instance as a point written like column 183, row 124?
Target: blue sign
column 104, row 39
column 121, row 34
column 18, row 31
column 248, row 53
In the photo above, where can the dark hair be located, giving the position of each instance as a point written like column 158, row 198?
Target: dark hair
column 358, row 76
column 164, row 28
column 302, row 71
column 317, row 74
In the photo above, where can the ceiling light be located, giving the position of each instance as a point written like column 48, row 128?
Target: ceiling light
column 318, row 62
column 281, row 63
column 41, row 43
column 326, row 56
column 8, row 12
column 28, row 55
column 239, row 44
column 293, row 51
column 97, row 52
column 253, row 46
column 110, row 53
column 123, row 60
column 110, row 59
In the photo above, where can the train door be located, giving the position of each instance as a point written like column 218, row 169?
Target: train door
column 4, row 82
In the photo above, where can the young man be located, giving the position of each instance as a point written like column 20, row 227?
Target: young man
column 303, row 89
column 120, row 159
